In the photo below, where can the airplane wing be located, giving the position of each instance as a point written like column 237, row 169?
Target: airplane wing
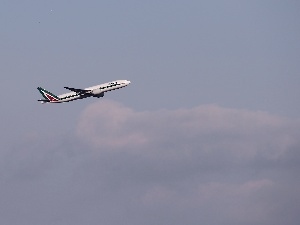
column 79, row 91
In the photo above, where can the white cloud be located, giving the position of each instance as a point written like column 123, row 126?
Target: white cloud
column 210, row 129
column 106, row 127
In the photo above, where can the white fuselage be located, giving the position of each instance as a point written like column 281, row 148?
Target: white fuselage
column 95, row 91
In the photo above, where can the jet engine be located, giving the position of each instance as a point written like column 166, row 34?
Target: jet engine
column 99, row 95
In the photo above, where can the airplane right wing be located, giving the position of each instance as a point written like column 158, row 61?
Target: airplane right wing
column 79, row 91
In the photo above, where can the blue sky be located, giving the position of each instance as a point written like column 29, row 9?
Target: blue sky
column 214, row 84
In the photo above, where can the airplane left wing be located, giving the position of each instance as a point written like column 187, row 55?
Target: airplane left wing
column 79, row 91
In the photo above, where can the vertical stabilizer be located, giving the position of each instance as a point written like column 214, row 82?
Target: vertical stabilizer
column 48, row 95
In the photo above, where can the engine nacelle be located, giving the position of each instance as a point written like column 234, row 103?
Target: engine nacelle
column 99, row 95
column 96, row 92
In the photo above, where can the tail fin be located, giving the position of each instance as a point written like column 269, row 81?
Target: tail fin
column 49, row 97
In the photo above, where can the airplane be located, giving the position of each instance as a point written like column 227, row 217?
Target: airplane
column 94, row 91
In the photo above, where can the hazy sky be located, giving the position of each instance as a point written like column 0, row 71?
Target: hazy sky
column 208, row 132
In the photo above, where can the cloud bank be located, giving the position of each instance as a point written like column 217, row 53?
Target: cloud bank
column 207, row 130
column 203, row 165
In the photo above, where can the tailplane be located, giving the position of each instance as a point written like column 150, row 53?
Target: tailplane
column 49, row 97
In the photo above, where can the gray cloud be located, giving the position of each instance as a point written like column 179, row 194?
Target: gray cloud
column 207, row 164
